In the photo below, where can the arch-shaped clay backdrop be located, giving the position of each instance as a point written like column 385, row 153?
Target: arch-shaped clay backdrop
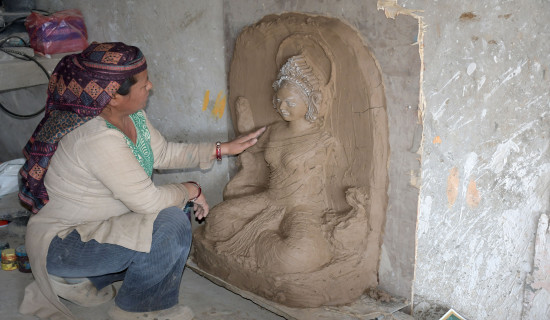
column 357, row 118
column 359, row 101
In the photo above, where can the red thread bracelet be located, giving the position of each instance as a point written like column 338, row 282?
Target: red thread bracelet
column 198, row 187
column 219, row 151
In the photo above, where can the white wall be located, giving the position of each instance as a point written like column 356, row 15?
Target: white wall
column 487, row 114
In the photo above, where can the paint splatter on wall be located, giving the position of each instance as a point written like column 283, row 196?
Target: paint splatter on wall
column 218, row 108
column 472, row 195
column 452, row 186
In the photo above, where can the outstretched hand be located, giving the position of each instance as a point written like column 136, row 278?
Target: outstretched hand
column 240, row 144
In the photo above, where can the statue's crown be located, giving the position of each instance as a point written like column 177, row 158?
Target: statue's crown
column 297, row 71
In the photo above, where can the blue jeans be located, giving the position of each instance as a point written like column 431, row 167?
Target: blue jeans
column 150, row 280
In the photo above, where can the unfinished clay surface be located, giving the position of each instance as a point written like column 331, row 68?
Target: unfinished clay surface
column 301, row 222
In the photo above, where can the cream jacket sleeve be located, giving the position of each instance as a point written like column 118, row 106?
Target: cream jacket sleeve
column 109, row 159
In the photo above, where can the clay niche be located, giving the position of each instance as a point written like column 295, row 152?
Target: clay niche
column 301, row 222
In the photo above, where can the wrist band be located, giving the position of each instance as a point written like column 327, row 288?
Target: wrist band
column 219, row 151
column 198, row 187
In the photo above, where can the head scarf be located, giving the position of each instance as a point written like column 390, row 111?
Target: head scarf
column 80, row 87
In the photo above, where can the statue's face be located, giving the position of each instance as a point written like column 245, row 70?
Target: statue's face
column 291, row 102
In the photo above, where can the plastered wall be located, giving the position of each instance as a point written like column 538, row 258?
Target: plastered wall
column 485, row 159
column 14, row 133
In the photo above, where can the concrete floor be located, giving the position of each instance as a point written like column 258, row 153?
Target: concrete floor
column 207, row 300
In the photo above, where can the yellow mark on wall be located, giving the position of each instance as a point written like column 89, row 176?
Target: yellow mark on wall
column 452, row 186
column 437, row 139
column 219, row 106
column 206, row 100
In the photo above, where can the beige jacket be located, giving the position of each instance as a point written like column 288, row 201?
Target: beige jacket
column 96, row 186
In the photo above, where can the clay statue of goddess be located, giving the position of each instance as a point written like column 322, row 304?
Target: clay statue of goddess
column 287, row 210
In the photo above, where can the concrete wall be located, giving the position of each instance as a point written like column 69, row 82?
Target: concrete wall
column 14, row 133
column 485, row 159
column 183, row 44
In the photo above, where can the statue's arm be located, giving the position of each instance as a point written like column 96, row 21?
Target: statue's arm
column 253, row 170
column 245, row 119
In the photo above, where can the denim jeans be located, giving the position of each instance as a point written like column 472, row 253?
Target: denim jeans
column 150, row 280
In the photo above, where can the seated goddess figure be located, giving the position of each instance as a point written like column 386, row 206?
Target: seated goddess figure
column 287, row 211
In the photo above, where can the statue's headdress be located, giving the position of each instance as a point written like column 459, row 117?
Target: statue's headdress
column 297, row 71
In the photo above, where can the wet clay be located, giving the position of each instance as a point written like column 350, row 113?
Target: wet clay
column 301, row 222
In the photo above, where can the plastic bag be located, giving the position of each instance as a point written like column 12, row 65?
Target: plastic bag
column 62, row 31
column 9, row 176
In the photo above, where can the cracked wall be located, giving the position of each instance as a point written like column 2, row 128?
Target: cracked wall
column 485, row 160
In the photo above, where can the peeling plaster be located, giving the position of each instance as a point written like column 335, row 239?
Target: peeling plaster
column 486, row 174
column 392, row 10
column 537, row 290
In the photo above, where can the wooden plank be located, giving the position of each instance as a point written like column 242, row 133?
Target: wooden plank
column 364, row 308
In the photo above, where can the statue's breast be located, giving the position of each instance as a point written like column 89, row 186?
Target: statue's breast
column 299, row 158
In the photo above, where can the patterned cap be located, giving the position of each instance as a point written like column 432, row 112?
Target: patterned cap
column 80, row 87
column 89, row 79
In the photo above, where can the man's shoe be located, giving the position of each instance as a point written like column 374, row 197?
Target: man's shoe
column 83, row 293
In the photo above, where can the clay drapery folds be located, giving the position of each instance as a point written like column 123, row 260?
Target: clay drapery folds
column 301, row 222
